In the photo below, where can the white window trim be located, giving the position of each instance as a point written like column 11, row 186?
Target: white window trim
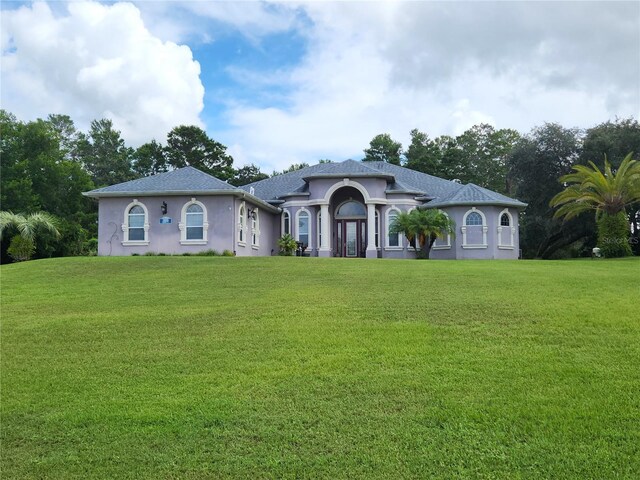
column 485, row 228
column 286, row 213
column 125, row 225
column 301, row 210
column 242, row 215
column 318, row 229
column 183, row 224
column 255, row 229
column 444, row 246
column 376, row 231
column 400, row 246
column 511, row 227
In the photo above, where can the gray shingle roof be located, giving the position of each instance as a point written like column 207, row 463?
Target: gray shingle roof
column 472, row 194
column 401, row 180
column 190, row 180
column 348, row 168
column 182, row 180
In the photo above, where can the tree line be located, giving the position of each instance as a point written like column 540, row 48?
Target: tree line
column 48, row 163
column 527, row 167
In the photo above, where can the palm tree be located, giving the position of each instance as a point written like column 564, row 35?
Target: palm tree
column 607, row 193
column 23, row 245
column 423, row 226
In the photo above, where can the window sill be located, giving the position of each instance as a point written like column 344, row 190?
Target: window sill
column 255, row 247
column 442, row 247
column 474, row 246
column 506, row 247
column 193, row 242
column 135, row 243
column 242, row 244
column 399, row 249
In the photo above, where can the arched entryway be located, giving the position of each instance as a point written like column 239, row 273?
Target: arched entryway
column 349, row 223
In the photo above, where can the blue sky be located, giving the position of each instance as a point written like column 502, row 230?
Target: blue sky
column 289, row 82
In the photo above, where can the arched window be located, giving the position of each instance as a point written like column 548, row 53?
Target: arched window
column 302, row 224
column 195, row 222
column 241, row 223
column 193, row 225
column 474, row 229
column 393, row 239
column 255, row 227
column 506, row 230
column 474, row 218
column 136, row 224
column 351, row 209
column 286, row 222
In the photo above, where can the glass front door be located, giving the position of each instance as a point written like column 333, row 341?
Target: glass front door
column 351, row 238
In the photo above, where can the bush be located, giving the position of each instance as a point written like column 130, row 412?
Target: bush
column 208, row 253
column 186, row 254
column 287, row 245
column 91, row 247
column 150, row 254
column 613, row 235
column 228, row 253
column 21, row 249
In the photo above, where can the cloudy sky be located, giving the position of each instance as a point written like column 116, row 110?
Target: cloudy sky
column 285, row 82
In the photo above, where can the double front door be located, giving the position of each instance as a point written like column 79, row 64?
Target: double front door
column 351, row 238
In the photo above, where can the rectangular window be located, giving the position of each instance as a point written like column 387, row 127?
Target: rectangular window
column 394, row 240
column 136, row 234
column 377, row 227
column 303, row 229
column 195, row 230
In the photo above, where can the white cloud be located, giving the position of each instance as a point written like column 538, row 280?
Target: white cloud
column 95, row 61
column 368, row 68
column 443, row 67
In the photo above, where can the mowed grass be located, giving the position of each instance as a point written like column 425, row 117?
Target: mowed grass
column 209, row 367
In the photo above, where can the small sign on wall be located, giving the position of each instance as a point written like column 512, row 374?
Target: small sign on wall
column 165, row 220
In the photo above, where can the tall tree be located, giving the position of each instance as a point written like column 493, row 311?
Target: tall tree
column 246, row 175
column 36, row 175
column 423, row 154
column 66, row 133
column 188, row 145
column 149, row 159
column 383, row 148
column 613, row 140
column 105, row 155
column 607, row 193
column 292, row 168
column 535, row 164
column 479, row 155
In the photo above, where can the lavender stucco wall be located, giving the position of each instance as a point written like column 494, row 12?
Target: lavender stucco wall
column 223, row 219
column 269, row 227
column 164, row 238
column 492, row 250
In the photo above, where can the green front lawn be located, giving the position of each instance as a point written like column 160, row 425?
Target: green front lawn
column 210, row 367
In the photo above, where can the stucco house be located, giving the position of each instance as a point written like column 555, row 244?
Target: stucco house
column 334, row 209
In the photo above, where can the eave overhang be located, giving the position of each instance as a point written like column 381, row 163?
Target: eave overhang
column 174, row 193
